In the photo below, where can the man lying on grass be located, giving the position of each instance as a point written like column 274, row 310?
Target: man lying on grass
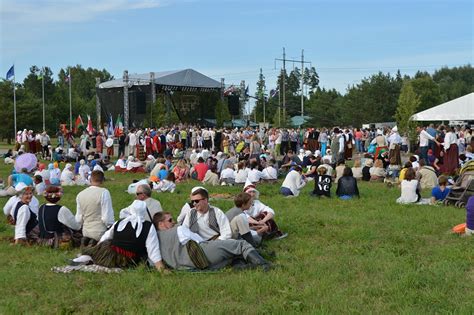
column 183, row 249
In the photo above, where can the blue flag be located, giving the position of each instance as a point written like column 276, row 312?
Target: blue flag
column 11, row 72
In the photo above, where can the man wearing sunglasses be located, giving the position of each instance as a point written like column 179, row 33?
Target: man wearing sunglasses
column 206, row 220
column 180, row 248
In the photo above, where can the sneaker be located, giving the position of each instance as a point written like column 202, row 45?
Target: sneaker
column 282, row 236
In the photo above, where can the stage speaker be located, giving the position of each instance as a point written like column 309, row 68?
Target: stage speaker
column 234, row 105
column 140, row 103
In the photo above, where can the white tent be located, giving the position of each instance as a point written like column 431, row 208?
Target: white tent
column 461, row 108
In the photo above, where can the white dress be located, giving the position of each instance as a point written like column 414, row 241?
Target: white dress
column 408, row 192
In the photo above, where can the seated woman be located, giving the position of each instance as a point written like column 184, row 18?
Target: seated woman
column 410, row 188
column 67, row 176
column 347, row 185
column 83, row 173
column 227, row 176
column 403, row 171
column 439, row 193
column 241, row 173
column 341, row 166
column 322, row 184
column 134, row 165
column 357, row 169
column 166, row 185
column 270, row 173
column 127, row 243
column 314, row 163
column 181, row 171
column 54, row 174
column 57, row 225
column 211, row 177
column 377, row 172
column 23, row 217
column 254, row 175
column 162, row 173
column 293, row 183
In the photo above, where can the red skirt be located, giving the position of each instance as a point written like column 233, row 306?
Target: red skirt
column 451, row 160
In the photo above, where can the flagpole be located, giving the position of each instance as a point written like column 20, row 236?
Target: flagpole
column 14, row 103
column 70, row 99
column 42, row 89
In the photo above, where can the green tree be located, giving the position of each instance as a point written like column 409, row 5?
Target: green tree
column 311, row 79
column 260, row 98
column 6, row 110
column 427, row 91
column 222, row 113
column 408, row 103
column 157, row 113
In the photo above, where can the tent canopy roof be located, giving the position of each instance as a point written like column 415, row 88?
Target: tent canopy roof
column 461, row 108
column 182, row 78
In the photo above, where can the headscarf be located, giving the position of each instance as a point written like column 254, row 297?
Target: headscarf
column 136, row 217
column 50, row 166
column 67, row 167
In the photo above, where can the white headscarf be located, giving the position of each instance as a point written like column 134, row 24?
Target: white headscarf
column 136, row 217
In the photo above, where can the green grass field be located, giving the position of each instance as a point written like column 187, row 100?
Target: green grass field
column 361, row 256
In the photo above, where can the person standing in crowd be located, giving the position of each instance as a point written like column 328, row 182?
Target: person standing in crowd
column 337, row 145
column 424, row 138
column 395, row 141
column 451, row 156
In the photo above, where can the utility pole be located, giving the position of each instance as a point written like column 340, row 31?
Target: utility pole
column 98, row 108
column 42, row 92
column 284, row 60
column 302, row 83
column 153, row 96
column 262, row 97
column 125, row 102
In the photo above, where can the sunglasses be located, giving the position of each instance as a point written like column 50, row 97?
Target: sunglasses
column 196, row 201
column 170, row 220
column 139, row 193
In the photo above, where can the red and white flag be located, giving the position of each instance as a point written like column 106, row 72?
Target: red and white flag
column 89, row 128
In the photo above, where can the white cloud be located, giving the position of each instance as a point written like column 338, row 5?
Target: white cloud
column 15, row 12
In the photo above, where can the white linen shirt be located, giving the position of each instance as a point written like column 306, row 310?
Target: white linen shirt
column 203, row 222
column 424, row 138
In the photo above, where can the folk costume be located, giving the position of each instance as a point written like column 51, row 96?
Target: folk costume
column 128, row 242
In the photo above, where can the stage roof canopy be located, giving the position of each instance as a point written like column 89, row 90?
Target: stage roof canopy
column 187, row 78
column 461, row 108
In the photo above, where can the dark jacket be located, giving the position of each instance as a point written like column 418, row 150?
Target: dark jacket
column 347, row 186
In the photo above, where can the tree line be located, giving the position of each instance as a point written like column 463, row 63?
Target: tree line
column 373, row 99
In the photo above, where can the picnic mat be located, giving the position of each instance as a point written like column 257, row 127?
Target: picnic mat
column 86, row 268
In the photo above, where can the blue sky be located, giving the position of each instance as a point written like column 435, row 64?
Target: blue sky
column 345, row 40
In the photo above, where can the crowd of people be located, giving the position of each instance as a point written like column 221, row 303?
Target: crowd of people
column 204, row 236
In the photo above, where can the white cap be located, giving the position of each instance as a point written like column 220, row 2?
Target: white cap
column 20, row 186
column 197, row 188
